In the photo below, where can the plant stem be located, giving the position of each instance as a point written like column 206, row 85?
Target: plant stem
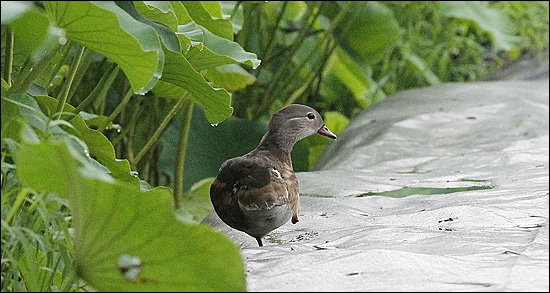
column 180, row 154
column 335, row 22
column 69, row 281
column 19, row 200
column 136, row 111
column 24, row 71
column 102, row 87
column 297, row 93
column 117, row 111
column 161, row 127
column 65, row 91
column 272, row 38
column 235, row 8
column 35, row 71
column 64, row 56
column 85, row 62
column 267, row 100
column 329, row 49
column 271, row 43
column 8, row 56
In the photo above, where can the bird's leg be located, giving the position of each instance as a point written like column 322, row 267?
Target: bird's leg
column 259, row 239
column 295, row 219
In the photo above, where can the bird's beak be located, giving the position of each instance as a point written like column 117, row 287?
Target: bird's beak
column 326, row 132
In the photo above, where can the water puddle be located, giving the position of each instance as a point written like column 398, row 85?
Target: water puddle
column 413, row 171
column 473, row 180
column 406, row 191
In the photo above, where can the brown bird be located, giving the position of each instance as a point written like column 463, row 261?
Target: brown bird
column 258, row 192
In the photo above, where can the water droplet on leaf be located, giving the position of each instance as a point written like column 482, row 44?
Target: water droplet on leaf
column 129, row 266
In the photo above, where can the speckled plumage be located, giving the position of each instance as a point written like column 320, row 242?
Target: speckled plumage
column 258, row 192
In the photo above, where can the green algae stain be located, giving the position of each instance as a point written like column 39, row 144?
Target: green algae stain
column 406, row 191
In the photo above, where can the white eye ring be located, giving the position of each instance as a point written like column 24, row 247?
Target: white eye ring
column 310, row 115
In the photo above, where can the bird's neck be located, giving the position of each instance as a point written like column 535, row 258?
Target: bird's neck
column 277, row 144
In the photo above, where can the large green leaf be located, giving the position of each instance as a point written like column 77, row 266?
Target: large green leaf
column 496, row 23
column 349, row 73
column 211, row 51
column 160, row 11
column 216, row 102
column 168, row 90
column 213, row 7
column 99, row 146
column 373, row 29
column 128, row 240
column 104, row 27
column 196, row 203
column 220, row 27
column 20, row 108
column 12, row 121
column 167, row 35
column 181, row 12
column 231, row 77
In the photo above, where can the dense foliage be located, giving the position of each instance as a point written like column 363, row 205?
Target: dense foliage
column 102, row 101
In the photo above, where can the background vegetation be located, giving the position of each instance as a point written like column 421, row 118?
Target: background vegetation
column 116, row 114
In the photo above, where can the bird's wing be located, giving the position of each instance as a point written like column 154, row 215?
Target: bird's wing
column 254, row 182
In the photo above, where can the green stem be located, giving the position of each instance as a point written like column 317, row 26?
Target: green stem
column 241, row 37
column 180, row 154
column 35, row 71
column 69, row 281
column 117, row 111
column 319, row 75
column 24, row 71
column 19, row 200
column 269, row 47
column 62, row 99
column 8, row 56
column 235, row 8
column 85, row 62
column 64, row 56
column 136, row 111
column 272, row 38
column 335, row 22
column 161, row 127
column 267, row 100
column 329, row 49
column 297, row 93
column 101, row 88
column 130, row 143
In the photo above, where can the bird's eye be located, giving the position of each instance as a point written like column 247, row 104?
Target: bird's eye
column 310, row 115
